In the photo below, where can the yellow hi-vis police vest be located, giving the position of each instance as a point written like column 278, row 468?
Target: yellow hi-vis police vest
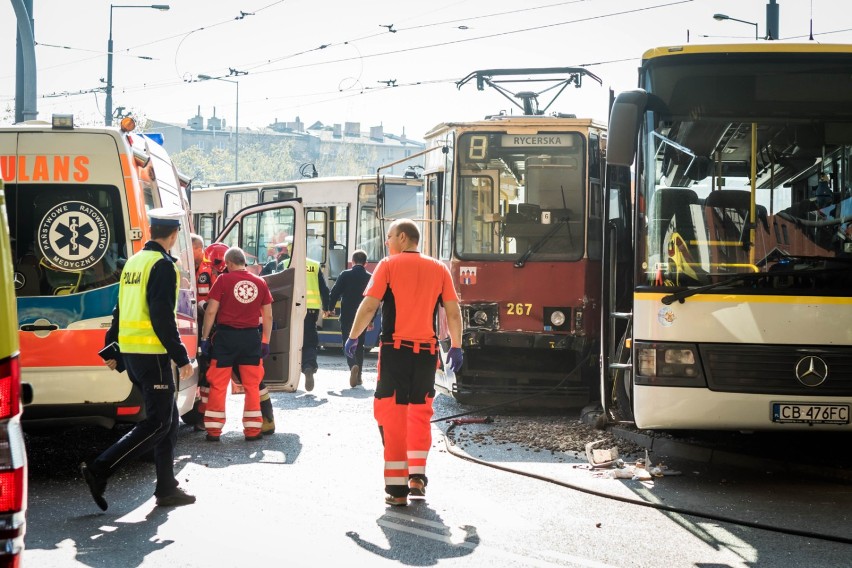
column 135, row 332
column 312, row 291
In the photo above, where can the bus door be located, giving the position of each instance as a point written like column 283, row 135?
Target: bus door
column 254, row 230
column 327, row 228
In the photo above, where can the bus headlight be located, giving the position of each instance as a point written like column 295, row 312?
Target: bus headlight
column 668, row 364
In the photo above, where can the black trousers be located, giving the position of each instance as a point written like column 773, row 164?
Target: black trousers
column 345, row 328
column 310, row 342
column 152, row 374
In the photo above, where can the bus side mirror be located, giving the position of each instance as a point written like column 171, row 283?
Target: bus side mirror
column 624, row 122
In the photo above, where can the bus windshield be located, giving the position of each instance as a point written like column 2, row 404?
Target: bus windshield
column 747, row 172
column 521, row 196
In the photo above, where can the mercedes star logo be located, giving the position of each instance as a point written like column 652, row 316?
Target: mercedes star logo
column 811, row 371
column 19, row 280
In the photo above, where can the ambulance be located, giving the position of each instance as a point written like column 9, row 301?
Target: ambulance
column 77, row 201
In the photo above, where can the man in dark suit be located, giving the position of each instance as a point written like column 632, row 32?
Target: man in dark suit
column 349, row 289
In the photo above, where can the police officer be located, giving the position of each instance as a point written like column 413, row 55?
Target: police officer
column 237, row 300
column 316, row 298
column 146, row 328
column 410, row 286
column 349, row 289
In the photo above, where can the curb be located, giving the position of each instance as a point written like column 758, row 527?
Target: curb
column 702, row 454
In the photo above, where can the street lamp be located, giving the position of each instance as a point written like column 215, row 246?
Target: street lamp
column 237, row 129
column 108, row 110
column 721, row 17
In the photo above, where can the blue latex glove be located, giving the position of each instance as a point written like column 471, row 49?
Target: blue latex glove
column 264, row 350
column 205, row 347
column 455, row 357
column 349, row 347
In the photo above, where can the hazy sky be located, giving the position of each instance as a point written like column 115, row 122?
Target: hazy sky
column 433, row 44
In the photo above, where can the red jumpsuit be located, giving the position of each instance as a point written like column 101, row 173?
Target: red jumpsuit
column 411, row 286
column 236, row 344
column 205, row 276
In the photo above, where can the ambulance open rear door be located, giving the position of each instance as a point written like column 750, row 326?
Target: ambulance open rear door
column 256, row 230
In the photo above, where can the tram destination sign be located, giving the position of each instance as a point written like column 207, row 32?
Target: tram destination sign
column 535, row 140
column 804, row 413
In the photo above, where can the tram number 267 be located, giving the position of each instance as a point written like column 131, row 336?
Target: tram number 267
column 518, row 309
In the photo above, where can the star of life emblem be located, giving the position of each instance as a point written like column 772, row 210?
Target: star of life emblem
column 246, row 291
column 73, row 236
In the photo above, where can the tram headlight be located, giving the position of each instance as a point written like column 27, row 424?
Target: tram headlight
column 483, row 317
column 668, row 364
column 557, row 318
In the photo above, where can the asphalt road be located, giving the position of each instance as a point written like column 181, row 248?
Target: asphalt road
column 311, row 495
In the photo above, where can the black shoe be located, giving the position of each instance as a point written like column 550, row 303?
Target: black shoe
column 212, row 438
column 309, row 380
column 96, row 486
column 254, row 438
column 175, row 499
column 199, row 427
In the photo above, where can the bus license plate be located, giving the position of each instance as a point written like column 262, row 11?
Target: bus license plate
column 785, row 412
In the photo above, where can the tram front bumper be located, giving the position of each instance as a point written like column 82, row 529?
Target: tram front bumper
column 473, row 339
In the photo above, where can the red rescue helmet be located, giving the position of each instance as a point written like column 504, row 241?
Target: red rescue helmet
column 215, row 255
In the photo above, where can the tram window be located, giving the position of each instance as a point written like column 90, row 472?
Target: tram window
column 316, row 227
column 236, row 200
column 276, row 194
column 205, row 225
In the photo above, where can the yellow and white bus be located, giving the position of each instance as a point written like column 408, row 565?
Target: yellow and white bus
column 730, row 300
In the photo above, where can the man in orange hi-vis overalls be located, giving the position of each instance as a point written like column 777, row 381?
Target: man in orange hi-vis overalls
column 410, row 286
column 236, row 301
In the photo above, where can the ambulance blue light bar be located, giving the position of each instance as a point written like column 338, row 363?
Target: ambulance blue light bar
column 155, row 136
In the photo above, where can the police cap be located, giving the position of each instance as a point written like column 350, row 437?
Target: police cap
column 165, row 216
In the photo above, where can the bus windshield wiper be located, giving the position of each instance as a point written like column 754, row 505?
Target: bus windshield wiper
column 684, row 294
column 544, row 238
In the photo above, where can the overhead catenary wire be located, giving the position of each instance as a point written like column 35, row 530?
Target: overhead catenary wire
column 254, row 67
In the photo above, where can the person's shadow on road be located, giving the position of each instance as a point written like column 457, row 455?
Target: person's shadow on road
column 417, row 536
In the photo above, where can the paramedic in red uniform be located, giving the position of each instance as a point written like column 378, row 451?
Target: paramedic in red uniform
column 236, row 301
column 212, row 264
column 410, row 287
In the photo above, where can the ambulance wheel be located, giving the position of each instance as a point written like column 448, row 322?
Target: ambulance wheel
column 192, row 417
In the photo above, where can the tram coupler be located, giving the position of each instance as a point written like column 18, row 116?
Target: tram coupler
column 479, row 420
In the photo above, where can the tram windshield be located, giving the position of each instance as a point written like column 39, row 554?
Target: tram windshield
column 746, row 174
column 521, row 196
